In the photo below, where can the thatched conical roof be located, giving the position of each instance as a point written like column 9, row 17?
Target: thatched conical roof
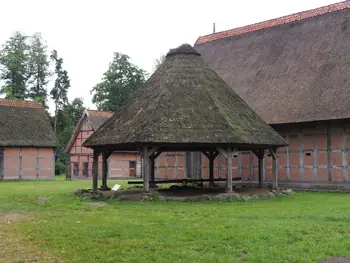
column 185, row 102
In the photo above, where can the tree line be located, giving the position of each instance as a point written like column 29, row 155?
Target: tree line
column 29, row 70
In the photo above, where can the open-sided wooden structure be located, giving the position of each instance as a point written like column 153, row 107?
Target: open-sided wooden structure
column 184, row 106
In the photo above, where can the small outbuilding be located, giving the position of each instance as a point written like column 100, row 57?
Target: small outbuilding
column 120, row 164
column 184, row 106
column 27, row 141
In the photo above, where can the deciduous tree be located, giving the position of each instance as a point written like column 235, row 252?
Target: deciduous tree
column 118, row 83
column 76, row 109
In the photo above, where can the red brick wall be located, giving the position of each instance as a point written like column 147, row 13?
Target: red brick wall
column 28, row 163
column 306, row 160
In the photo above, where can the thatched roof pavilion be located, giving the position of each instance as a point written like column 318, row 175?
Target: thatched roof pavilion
column 184, row 106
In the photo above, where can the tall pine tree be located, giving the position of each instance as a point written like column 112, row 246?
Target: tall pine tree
column 15, row 70
column 39, row 68
column 62, row 83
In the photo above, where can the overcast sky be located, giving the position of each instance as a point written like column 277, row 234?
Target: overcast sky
column 86, row 33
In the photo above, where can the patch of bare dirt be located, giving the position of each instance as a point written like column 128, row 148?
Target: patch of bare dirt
column 11, row 218
column 336, row 260
column 14, row 247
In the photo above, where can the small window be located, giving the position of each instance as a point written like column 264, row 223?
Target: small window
column 132, row 165
column 308, row 153
column 86, row 169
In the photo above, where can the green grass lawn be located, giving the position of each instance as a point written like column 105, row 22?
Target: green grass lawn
column 305, row 227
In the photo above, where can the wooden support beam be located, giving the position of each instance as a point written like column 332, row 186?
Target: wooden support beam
column 260, row 154
column 211, row 172
column 211, row 155
column 261, row 172
column 185, row 181
column 207, row 154
column 108, row 152
column 274, row 169
column 228, row 153
column 95, row 170
column 147, row 153
column 152, row 183
column 153, row 157
column 156, row 154
column 105, row 156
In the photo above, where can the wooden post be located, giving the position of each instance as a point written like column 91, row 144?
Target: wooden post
column 146, row 172
column 211, row 155
column 152, row 183
column 95, row 170
column 228, row 154
column 104, row 186
column 146, row 153
column 153, row 157
column 229, row 170
column 274, row 169
column 211, row 172
column 260, row 155
column 261, row 172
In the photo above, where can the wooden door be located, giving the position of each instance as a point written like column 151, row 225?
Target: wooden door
column 132, row 168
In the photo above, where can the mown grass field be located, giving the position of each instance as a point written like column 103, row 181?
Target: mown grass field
column 305, row 227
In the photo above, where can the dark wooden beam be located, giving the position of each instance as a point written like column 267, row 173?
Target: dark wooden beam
column 211, row 172
column 274, row 169
column 152, row 161
column 95, row 170
column 105, row 156
column 260, row 154
column 211, row 155
column 261, row 172
column 108, row 152
column 184, row 181
column 215, row 154
column 156, row 154
column 207, row 154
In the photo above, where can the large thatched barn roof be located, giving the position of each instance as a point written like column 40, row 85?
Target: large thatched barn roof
column 25, row 124
column 185, row 102
column 290, row 69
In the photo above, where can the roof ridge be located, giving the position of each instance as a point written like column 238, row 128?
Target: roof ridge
column 99, row 113
column 275, row 22
column 21, row 103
